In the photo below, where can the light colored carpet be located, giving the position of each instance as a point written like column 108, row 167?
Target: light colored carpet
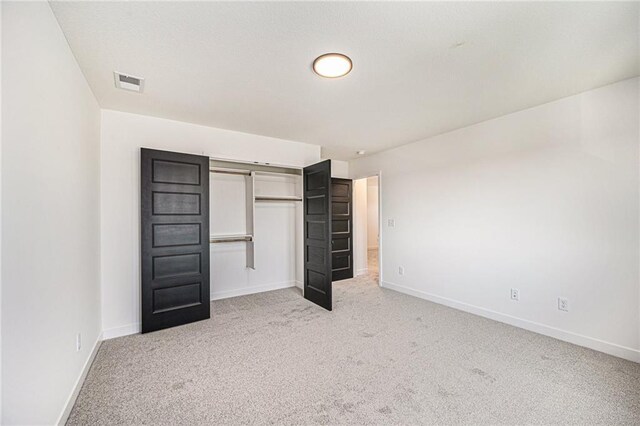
column 380, row 357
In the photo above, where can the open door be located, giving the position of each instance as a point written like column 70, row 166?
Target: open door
column 341, row 229
column 175, row 238
column 317, row 233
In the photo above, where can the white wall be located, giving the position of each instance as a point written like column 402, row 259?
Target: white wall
column 544, row 200
column 372, row 212
column 122, row 136
column 360, row 225
column 340, row 169
column 0, row 215
column 50, row 219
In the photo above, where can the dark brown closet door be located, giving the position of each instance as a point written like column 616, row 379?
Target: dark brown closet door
column 317, row 233
column 175, row 239
column 341, row 229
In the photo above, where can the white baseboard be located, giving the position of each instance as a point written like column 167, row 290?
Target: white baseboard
column 362, row 271
column 251, row 290
column 567, row 336
column 124, row 330
column 299, row 284
column 79, row 382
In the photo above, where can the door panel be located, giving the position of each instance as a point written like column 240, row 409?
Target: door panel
column 177, row 234
column 171, row 203
column 175, row 238
column 317, row 233
column 339, row 226
column 176, row 265
column 341, row 229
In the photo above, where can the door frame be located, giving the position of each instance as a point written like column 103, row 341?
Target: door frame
column 380, row 237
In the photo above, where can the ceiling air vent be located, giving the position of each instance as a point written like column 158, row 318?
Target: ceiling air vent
column 128, row 82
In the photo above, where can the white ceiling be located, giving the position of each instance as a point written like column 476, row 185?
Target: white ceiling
column 247, row 66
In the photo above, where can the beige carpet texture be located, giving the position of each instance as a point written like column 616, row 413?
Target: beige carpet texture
column 380, row 357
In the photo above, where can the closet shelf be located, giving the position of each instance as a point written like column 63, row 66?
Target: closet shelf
column 230, row 238
column 230, row 171
column 277, row 198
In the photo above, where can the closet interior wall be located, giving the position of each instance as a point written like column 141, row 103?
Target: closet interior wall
column 256, row 228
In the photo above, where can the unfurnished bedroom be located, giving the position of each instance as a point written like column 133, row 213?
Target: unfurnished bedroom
column 319, row 213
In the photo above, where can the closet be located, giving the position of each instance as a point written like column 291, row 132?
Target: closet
column 215, row 228
column 255, row 228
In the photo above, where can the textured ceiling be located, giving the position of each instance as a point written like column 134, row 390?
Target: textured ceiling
column 419, row 68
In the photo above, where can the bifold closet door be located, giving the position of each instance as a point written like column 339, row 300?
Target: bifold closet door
column 317, row 233
column 175, row 239
column 341, row 229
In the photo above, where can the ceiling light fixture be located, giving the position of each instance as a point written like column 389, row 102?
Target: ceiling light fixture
column 360, row 152
column 332, row 65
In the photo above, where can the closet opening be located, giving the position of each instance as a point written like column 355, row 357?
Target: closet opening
column 255, row 228
column 367, row 227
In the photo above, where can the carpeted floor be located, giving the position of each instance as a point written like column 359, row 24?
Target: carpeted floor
column 380, row 357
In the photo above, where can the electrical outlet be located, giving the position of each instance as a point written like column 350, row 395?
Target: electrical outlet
column 391, row 223
column 78, row 342
column 400, row 270
column 563, row 304
column 515, row 294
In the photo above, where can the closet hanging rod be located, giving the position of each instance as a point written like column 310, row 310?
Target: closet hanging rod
column 277, row 198
column 231, row 238
column 231, row 172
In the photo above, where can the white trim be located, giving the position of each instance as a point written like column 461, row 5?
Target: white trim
column 124, row 330
column 299, row 284
column 64, row 416
column 251, row 290
column 380, row 216
column 567, row 336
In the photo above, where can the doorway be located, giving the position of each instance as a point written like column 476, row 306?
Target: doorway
column 367, row 227
column 373, row 235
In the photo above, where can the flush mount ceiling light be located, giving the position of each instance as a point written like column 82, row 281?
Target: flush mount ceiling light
column 332, row 65
column 360, row 152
